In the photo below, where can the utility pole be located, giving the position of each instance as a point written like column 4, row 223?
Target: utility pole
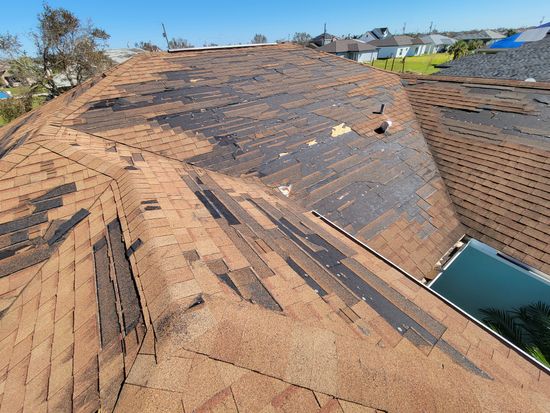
column 165, row 36
column 431, row 26
column 404, row 27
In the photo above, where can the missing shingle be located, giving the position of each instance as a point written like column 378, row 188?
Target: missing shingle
column 137, row 157
column 48, row 204
column 22, row 223
column 129, row 298
column 66, row 226
column 149, row 201
column 57, row 192
column 217, row 266
column 134, row 247
column 191, row 256
column 131, row 168
column 229, row 282
column 152, row 207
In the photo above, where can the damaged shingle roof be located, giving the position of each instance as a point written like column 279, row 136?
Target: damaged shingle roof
column 490, row 141
column 133, row 280
column 307, row 122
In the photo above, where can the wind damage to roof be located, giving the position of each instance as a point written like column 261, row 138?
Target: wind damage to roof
column 253, row 114
column 490, row 141
column 134, row 280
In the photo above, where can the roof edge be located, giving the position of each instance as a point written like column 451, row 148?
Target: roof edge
column 228, row 46
column 479, row 80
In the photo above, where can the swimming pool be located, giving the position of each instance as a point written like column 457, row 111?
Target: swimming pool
column 481, row 277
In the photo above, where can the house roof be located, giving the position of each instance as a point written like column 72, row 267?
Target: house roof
column 121, row 55
column 134, row 279
column 481, row 35
column 438, row 39
column 347, row 45
column 528, row 61
column 401, row 40
column 320, row 39
column 490, row 142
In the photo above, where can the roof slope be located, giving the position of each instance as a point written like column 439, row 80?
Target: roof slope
column 138, row 282
column 528, row 61
column 291, row 116
column 490, row 140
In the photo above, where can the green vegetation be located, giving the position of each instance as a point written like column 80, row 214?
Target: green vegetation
column 414, row 64
column 528, row 327
column 19, row 103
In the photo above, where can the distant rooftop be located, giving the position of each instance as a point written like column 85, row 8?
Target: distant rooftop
column 531, row 60
column 347, row 45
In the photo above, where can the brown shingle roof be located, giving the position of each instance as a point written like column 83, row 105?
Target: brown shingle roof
column 138, row 281
column 282, row 123
column 490, row 143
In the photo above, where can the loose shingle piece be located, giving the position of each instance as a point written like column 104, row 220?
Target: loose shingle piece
column 189, row 282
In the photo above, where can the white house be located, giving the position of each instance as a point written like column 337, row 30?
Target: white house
column 352, row 49
column 437, row 43
column 399, row 46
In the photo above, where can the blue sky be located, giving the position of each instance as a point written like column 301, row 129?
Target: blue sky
column 236, row 21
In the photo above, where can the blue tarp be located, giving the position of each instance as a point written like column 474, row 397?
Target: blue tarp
column 529, row 35
column 507, row 43
column 4, row 95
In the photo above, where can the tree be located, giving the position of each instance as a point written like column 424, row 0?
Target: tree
column 528, row 327
column 179, row 43
column 9, row 44
column 302, row 38
column 475, row 44
column 510, row 32
column 69, row 51
column 458, row 49
column 14, row 107
column 259, row 38
column 147, row 46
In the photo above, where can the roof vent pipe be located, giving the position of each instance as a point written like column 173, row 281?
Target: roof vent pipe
column 383, row 127
column 382, row 107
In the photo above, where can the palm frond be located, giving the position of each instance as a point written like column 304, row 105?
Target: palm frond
column 537, row 354
column 504, row 323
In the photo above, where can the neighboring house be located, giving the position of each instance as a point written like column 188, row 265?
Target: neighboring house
column 531, row 60
column 517, row 40
column 121, row 55
column 323, row 39
column 437, row 43
column 486, row 36
column 399, row 46
column 376, row 34
column 117, row 56
column 352, row 49
column 5, row 78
